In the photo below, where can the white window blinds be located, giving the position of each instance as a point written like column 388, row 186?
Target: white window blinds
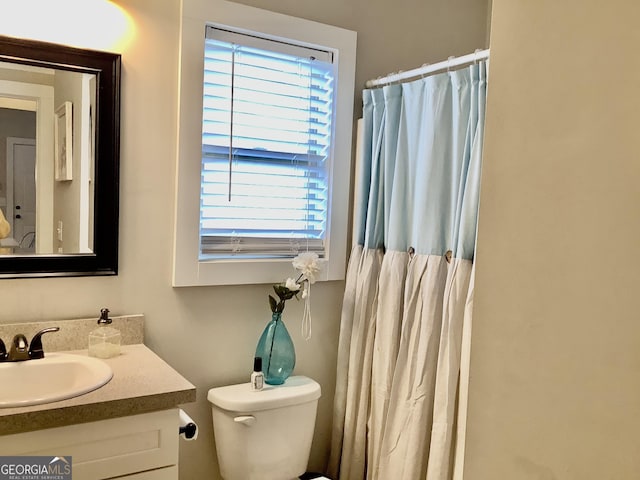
column 266, row 146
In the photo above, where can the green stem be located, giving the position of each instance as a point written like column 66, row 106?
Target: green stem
column 273, row 338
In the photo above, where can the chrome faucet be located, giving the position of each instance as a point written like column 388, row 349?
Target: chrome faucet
column 20, row 351
column 36, row 351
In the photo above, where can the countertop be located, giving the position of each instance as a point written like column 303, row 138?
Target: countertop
column 142, row 382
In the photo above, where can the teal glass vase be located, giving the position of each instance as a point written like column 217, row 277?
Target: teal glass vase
column 277, row 351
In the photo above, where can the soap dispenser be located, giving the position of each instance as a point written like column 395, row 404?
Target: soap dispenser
column 104, row 341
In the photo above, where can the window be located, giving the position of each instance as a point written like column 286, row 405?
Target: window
column 264, row 144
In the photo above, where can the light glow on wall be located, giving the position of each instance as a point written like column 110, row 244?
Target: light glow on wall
column 92, row 24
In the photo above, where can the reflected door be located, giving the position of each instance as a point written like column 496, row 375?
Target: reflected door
column 21, row 164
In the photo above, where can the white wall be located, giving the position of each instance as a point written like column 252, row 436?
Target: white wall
column 555, row 357
column 209, row 334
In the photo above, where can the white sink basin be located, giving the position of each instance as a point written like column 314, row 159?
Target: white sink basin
column 58, row 376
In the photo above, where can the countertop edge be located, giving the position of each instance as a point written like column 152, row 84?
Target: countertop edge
column 162, row 388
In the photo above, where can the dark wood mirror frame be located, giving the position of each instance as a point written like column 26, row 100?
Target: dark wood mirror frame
column 106, row 66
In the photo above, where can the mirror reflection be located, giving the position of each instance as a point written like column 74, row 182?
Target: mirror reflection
column 47, row 160
column 59, row 159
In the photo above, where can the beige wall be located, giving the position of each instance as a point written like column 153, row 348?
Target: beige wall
column 555, row 356
column 66, row 195
column 209, row 334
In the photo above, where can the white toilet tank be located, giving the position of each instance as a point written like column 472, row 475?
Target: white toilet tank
column 264, row 435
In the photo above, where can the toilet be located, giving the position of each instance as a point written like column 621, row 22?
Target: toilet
column 266, row 434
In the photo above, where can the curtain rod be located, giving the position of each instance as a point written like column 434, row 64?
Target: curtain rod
column 427, row 69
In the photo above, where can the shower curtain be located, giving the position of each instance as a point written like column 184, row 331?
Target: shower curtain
column 409, row 286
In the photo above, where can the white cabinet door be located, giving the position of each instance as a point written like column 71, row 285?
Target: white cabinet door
column 107, row 448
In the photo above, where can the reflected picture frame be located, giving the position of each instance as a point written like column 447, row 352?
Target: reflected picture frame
column 63, row 142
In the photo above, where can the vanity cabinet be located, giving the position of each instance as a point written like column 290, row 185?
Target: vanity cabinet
column 128, row 428
column 140, row 447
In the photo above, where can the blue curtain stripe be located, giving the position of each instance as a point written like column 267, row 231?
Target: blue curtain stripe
column 422, row 149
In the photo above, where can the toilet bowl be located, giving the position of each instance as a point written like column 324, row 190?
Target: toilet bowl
column 264, row 435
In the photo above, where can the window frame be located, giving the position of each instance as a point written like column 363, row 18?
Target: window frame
column 188, row 270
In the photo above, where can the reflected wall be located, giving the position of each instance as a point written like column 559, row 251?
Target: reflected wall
column 49, row 213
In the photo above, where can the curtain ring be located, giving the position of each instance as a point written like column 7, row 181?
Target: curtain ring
column 449, row 62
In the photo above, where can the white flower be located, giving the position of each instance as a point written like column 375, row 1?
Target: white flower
column 309, row 265
column 292, row 285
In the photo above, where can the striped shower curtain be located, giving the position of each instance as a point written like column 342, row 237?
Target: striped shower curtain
column 409, row 286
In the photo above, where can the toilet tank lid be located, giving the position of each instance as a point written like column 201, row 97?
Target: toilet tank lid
column 240, row 398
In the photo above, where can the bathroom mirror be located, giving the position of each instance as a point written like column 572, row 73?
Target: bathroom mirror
column 59, row 159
